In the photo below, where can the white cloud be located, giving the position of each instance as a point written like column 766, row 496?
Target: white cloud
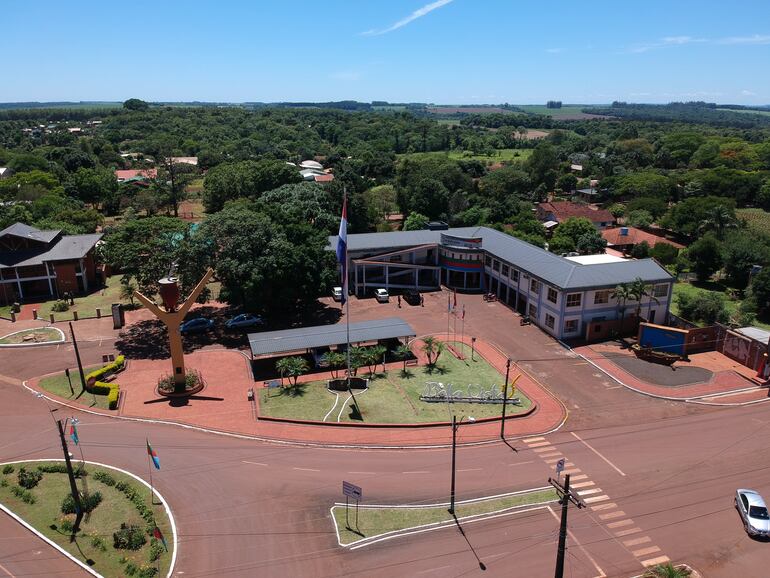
column 553, row 50
column 419, row 13
column 665, row 42
column 748, row 93
column 754, row 39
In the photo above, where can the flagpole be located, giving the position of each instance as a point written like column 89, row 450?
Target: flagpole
column 462, row 333
column 345, row 292
column 149, row 470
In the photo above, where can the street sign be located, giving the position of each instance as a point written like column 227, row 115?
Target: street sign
column 560, row 466
column 352, row 491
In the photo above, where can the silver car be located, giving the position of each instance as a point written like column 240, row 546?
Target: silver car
column 753, row 511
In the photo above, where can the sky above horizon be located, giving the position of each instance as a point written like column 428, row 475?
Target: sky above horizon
column 439, row 51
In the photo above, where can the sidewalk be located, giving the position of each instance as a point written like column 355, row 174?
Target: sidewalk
column 223, row 405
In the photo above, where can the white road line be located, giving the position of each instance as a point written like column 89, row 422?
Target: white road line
column 572, row 536
column 616, row 468
column 470, row 470
column 646, row 551
column 582, row 485
column 254, row 463
column 628, row 532
column 305, row 470
column 578, row 477
column 552, row 460
column 417, row 472
column 620, row 524
column 539, row 444
column 588, row 492
column 541, row 450
column 611, row 515
column 598, row 507
column 551, row 455
column 531, row 440
column 521, row 463
column 637, row 541
column 362, row 473
column 572, row 471
column 655, row 561
column 594, row 499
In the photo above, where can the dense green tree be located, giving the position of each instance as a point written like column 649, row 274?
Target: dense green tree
column 642, row 184
column 741, row 251
column 759, row 290
column 503, row 183
column 416, row 222
column 705, row 307
column 706, row 256
column 640, row 219
column 27, row 185
column 653, row 205
column 292, row 367
column 246, row 179
column 641, row 250
column 542, row 165
column 577, row 234
column 135, row 104
column 665, row 253
column 567, row 183
column 687, row 216
column 92, row 186
column 307, row 203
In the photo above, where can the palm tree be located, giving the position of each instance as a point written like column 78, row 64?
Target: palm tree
column 371, row 356
column 403, row 352
column 622, row 293
column 292, row 367
column 718, row 219
column 667, row 571
column 432, row 348
column 639, row 291
column 335, row 360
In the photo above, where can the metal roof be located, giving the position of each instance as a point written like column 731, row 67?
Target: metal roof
column 287, row 340
column 547, row 266
column 755, row 333
column 66, row 248
column 27, row 232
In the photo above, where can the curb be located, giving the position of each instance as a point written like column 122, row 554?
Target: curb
column 38, row 344
column 70, row 556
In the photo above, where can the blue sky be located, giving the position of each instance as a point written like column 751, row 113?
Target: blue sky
column 441, row 51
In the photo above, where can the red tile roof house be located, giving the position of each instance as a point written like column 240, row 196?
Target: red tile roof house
column 624, row 238
column 39, row 265
column 135, row 174
column 560, row 211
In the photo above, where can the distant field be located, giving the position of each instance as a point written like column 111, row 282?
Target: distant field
column 47, row 105
column 757, row 219
column 466, row 109
column 574, row 112
column 500, row 155
column 743, row 110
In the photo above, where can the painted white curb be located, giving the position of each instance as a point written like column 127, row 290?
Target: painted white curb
column 37, row 344
column 369, row 540
column 70, row 556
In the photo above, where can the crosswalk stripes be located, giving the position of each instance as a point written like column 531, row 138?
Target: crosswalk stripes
column 609, row 515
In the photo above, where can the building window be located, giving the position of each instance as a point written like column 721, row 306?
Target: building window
column 574, row 299
column 549, row 321
column 396, row 258
column 552, row 295
column 534, row 286
column 505, row 270
column 601, row 297
column 495, row 265
column 532, row 311
column 515, row 275
column 488, row 261
column 571, row 326
column 660, row 290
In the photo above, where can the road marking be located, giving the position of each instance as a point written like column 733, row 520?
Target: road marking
column 617, row 469
column 618, row 514
column 646, row 551
column 571, row 471
column 541, row 450
column 655, row 561
column 580, row 477
column 582, row 485
column 599, row 507
column 593, row 499
column 572, row 536
column 531, row 440
column 305, row 470
column 539, row 444
column 4, row 569
column 362, row 473
column 551, row 455
column 637, row 541
column 254, row 463
column 628, row 532
column 521, row 463
column 613, row 525
column 470, row 470
column 417, row 472
column 552, row 460
column 582, row 493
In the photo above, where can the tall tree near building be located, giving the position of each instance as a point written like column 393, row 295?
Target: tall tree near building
column 622, row 294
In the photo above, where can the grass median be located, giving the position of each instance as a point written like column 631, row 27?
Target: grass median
column 124, row 500
column 29, row 336
column 373, row 522
column 59, row 385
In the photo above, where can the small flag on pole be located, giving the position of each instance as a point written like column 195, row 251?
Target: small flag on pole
column 74, row 431
column 342, row 250
column 463, row 317
column 154, row 455
column 158, row 535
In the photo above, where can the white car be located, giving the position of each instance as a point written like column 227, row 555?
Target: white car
column 337, row 293
column 753, row 512
column 381, row 295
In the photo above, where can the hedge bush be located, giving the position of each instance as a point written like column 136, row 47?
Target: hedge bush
column 89, row 503
column 104, row 477
column 29, row 478
column 129, row 537
column 60, row 306
column 53, row 468
column 25, row 495
column 110, row 389
column 8, row 469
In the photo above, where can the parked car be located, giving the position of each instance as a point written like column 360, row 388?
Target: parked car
column 337, row 293
column 753, row 511
column 412, row 296
column 381, row 295
column 244, row 321
column 197, row 325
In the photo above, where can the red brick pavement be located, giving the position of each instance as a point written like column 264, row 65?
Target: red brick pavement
column 224, row 406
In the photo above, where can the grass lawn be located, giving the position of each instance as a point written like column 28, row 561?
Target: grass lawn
column 376, row 521
column 757, row 219
column 94, row 542
column 5, row 311
column 500, row 155
column 39, row 335
column 86, row 305
column 58, row 385
column 697, row 288
column 394, row 397
column 554, row 112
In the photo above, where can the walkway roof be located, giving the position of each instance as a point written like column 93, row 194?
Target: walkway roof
column 288, row 340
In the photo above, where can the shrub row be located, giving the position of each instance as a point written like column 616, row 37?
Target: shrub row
column 29, row 478
column 8, row 469
column 129, row 537
column 110, row 389
column 53, row 468
column 138, row 501
column 25, row 495
column 89, row 503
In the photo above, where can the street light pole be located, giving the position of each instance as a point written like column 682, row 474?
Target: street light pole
column 77, row 357
column 454, row 453
column 473, row 346
column 505, row 398
column 73, row 484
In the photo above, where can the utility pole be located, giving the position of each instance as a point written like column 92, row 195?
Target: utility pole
column 566, row 497
column 77, row 356
column 505, row 398
column 454, row 453
column 73, row 484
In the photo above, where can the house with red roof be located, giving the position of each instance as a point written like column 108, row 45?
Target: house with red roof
column 560, row 211
column 625, row 238
column 139, row 174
